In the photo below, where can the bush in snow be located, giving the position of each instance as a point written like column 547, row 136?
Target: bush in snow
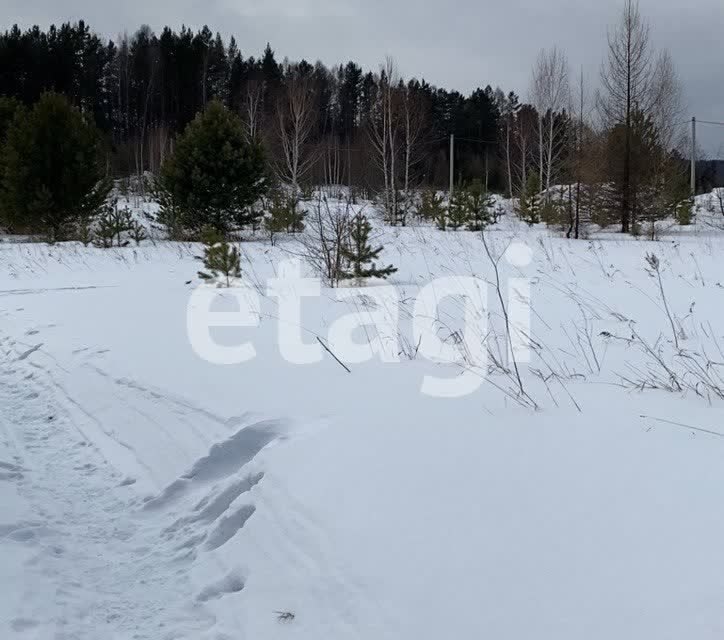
column 214, row 175
column 220, row 259
column 326, row 237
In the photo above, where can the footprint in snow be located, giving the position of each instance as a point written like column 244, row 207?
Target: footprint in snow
column 231, row 583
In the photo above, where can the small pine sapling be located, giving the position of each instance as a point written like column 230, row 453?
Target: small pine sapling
column 112, row 224
column 529, row 204
column 84, row 229
column 283, row 216
column 104, row 232
column 138, row 232
column 220, row 258
column 432, row 208
column 459, row 210
column 480, row 205
column 685, row 211
column 555, row 212
column 123, row 220
column 169, row 213
column 680, row 203
column 306, row 192
column 360, row 254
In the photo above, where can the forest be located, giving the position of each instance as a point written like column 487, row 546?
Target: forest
column 569, row 154
column 144, row 89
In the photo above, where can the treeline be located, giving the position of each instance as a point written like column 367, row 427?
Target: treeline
column 568, row 156
column 143, row 89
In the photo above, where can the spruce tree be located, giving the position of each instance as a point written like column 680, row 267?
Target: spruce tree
column 53, row 169
column 360, row 254
column 214, row 174
column 220, row 259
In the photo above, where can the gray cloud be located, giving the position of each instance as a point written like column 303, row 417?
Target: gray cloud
column 456, row 45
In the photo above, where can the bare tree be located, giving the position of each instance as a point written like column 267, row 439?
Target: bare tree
column 332, row 162
column 508, row 108
column 251, row 108
column 414, row 123
column 325, row 236
column 667, row 101
column 523, row 145
column 385, row 134
column 576, row 153
column 295, row 121
column 626, row 78
column 550, row 95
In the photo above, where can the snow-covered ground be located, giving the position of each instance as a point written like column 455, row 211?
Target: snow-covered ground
column 149, row 494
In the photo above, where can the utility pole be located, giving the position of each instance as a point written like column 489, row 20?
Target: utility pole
column 693, row 156
column 452, row 163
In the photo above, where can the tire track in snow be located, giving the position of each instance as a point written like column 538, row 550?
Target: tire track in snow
column 127, row 571
column 106, row 569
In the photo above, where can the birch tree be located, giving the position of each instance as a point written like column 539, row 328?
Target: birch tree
column 385, row 134
column 296, row 117
column 550, row 95
column 414, row 122
column 251, row 109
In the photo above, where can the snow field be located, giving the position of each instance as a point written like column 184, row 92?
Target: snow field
column 151, row 494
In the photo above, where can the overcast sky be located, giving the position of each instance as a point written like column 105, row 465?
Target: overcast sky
column 458, row 45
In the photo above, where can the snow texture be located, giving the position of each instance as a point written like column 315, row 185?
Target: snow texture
column 150, row 495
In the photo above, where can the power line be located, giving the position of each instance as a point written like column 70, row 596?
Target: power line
column 719, row 124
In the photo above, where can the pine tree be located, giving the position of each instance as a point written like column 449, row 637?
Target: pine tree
column 220, row 258
column 529, row 205
column 680, row 203
column 169, row 215
column 283, row 215
column 8, row 109
column 360, row 254
column 137, row 232
column 557, row 210
column 215, row 175
column 458, row 213
column 53, row 169
column 112, row 224
column 432, row 208
column 479, row 204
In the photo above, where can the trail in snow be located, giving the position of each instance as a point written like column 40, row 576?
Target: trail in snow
column 100, row 564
